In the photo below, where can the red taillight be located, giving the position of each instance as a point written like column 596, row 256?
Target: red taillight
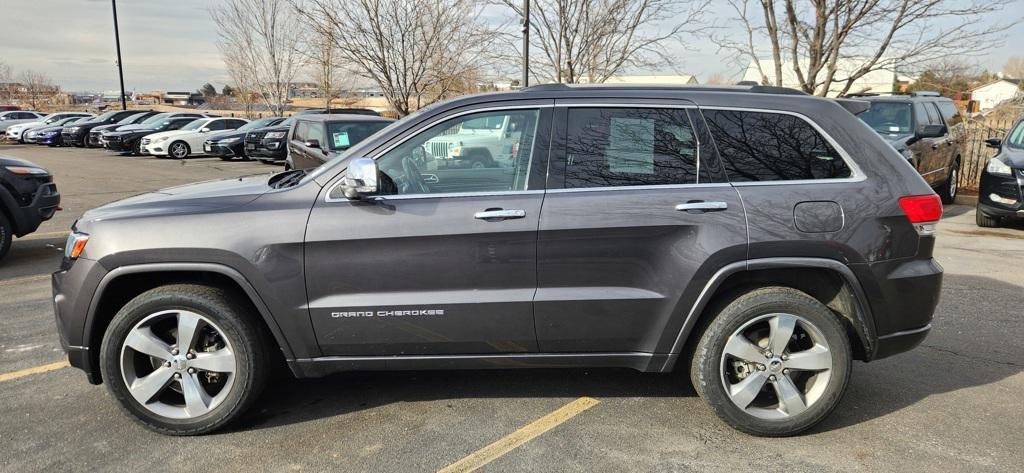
column 922, row 208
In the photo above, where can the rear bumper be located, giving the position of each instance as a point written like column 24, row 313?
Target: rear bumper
column 899, row 342
column 903, row 295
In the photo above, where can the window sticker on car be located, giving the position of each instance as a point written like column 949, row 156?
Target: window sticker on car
column 631, row 147
column 341, row 139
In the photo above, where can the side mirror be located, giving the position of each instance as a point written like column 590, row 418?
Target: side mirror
column 204, row 130
column 995, row 143
column 312, row 144
column 360, row 179
column 931, row 131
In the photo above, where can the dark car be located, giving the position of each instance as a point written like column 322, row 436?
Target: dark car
column 269, row 144
column 926, row 130
column 1001, row 190
column 316, row 139
column 28, row 197
column 130, row 141
column 50, row 134
column 755, row 238
column 78, row 134
column 96, row 134
column 231, row 144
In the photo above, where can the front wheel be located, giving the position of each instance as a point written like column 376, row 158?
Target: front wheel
column 948, row 191
column 184, row 359
column 178, row 150
column 774, row 362
column 5, row 235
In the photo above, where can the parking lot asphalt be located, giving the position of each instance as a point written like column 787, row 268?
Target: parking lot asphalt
column 952, row 404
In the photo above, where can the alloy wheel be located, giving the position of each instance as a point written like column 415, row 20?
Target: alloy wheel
column 178, row 150
column 776, row 366
column 952, row 183
column 178, row 364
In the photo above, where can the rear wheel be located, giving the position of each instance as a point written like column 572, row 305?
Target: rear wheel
column 6, row 235
column 984, row 220
column 184, row 359
column 774, row 362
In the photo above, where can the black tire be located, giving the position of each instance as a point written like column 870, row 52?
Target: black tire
column 984, row 220
column 949, row 188
column 178, row 145
column 268, row 161
column 6, row 235
column 249, row 345
column 708, row 376
column 226, row 158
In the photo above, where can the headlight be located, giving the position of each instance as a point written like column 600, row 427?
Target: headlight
column 74, row 129
column 160, row 139
column 997, row 166
column 276, row 134
column 27, row 170
column 227, row 141
column 75, row 245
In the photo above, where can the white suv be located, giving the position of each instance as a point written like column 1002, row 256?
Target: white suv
column 485, row 142
column 180, row 144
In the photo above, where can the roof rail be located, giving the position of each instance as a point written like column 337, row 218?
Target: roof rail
column 925, row 93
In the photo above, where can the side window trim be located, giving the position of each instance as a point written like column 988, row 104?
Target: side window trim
column 856, row 175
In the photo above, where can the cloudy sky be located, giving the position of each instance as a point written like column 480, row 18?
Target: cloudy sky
column 171, row 44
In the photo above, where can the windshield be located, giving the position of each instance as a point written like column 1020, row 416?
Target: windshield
column 258, row 124
column 196, row 124
column 287, row 122
column 106, row 116
column 156, row 119
column 342, row 135
column 892, row 120
column 63, row 121
column 1015, row 139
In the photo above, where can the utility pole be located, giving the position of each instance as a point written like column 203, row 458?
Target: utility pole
column 117, row 42
column 526, row 43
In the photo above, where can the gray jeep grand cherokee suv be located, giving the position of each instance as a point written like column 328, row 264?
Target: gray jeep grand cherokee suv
column 758, row 239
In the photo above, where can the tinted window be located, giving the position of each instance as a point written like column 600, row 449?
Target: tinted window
column 301, row 131
column 448, row 158
column 933, row 114
column 764, row 146
column 316, row 132
column 629, row 147
column 920, row 115
column 950, row 113
column 342, row 135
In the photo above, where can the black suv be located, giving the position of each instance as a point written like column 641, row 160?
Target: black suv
column 756, row 239
column 1001, row 190
column 95, row 138
column 270, row 144
column 316, row 139
column 926, row 129
column 28, row 197
column 231, row 144
column 78, row 134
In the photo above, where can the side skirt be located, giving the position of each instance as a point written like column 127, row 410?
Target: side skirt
column 323, row 366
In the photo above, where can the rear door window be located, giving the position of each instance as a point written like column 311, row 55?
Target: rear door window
column 301, row 131
column 768, row 146
column 612, row 147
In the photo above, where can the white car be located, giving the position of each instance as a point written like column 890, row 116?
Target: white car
column 15, row 117
column 187, row 141
column 17, row 131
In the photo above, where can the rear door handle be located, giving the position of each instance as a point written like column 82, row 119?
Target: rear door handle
column 499, row 214
column 702, row 206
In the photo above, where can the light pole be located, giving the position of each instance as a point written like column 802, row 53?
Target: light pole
column 117, row 42
column 526, row 43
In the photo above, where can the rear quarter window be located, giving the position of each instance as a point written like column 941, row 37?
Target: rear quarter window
column 769, row 146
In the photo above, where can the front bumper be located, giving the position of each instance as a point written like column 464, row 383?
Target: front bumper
column 44, row 204
column 95, row 139
column 156, row 149
column 269, row 150
column 217, row 149
column 73, row 139
column 1002, row 196
column 119, row 146
column 72, row 295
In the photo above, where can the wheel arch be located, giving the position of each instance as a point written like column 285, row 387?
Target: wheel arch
column 829, row 281
column 126, row 282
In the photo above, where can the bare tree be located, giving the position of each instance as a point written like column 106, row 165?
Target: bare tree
column 412, row 49
column 717, row 79
column 830, row 44
column 35, row 87
column 261, row 41
column 589, row 41
column 6, row 82
column 324, row 60
column 1014, row 67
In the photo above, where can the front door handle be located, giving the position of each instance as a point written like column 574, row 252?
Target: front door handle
column 702, row 206
column 499, row 214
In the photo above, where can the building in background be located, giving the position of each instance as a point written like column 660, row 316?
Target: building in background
column 878, row 82
column 992, row 94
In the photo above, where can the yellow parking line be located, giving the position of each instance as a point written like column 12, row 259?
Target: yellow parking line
column 41, row 236
column 13, row 281
column 510, row 442
column 31, row 371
